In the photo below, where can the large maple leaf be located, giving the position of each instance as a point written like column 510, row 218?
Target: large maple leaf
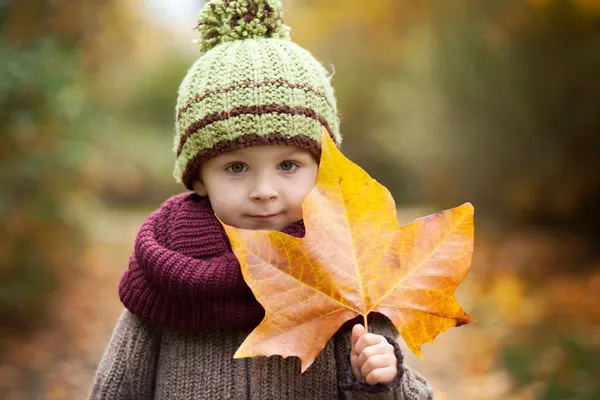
column 353, row 260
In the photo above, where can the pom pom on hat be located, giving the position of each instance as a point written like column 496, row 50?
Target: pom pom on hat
column 227, row 20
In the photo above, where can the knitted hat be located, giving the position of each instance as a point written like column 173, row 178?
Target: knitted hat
column 252, row 86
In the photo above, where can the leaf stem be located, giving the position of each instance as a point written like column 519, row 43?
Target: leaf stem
column 366, row 323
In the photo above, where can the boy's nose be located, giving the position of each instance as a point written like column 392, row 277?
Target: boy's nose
column 264, row 192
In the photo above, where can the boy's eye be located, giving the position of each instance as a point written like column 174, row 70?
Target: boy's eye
column 236, row 168
column 287, row 166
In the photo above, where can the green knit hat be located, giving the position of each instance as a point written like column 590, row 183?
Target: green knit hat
column 252, row 86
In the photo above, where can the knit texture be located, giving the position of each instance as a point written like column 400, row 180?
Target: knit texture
column 183, row 275
column 144, row 361
column 253, row 86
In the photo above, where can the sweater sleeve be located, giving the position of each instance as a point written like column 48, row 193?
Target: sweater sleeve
column 127, row 368
column 409, row 385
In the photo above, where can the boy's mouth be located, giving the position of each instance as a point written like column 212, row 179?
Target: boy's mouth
column 264, row 216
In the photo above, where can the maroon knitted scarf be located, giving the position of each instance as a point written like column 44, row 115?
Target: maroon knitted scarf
column 183, row 275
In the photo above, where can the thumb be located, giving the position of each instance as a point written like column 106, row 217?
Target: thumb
column 357, row 331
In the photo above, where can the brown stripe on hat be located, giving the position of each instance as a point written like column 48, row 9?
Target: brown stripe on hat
column 249, row 110
column 246, row 84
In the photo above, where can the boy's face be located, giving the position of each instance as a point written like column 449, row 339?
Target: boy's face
column 259, row 187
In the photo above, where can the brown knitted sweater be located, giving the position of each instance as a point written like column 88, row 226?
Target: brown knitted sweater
column 188, row 310
column 143, row 361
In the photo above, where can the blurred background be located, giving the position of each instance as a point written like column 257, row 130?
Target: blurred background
column 492, row 102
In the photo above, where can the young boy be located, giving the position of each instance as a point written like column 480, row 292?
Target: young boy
column 249, row 119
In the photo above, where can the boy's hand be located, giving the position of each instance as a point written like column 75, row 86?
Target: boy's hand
column 373, row 359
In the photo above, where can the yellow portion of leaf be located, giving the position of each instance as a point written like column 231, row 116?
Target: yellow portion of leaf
column 353, row 260
column 435, row 255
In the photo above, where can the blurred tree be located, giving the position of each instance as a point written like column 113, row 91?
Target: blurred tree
column 497, row 106
column 132, row 164
column 520, row 88
column 50, row 51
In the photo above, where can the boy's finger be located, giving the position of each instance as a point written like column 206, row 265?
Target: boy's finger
column 357, row 331
column 381, row 375
column 367, row 340
column 376, row 362
column 372, row 351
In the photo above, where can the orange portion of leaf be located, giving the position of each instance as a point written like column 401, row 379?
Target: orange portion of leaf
column 354, row 259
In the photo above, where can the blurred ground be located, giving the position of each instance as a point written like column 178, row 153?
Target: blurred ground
column 59, row 359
